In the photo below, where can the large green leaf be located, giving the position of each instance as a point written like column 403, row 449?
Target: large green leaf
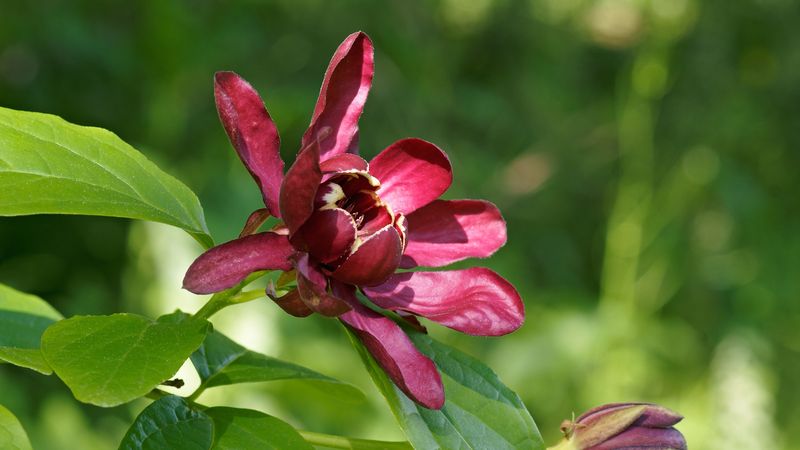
column 12, row 435
column 110, row 360
column 23, row 319
column 221, row 361
column 244, row 429
column 48, row 165
column 479, row 411
column 169, row 423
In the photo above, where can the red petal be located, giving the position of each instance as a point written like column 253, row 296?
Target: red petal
column 475, row 301
column 225, row 265
column 327, row 235
column 312, row 286
column 444, row 232
column 414, row 373
column 373, row 261
column 254, row 222
column 252, row 133
column 344, row 162
column 291, row 303
column 299, row 188
column 644, row 438
column 342, row 96
column 412, row 173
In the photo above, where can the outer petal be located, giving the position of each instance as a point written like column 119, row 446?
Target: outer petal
column 373, row 261
column 475, row 301
column 327, row 235
column 252, row 133
column 254, row 222
column 653, row 415
column 313, row 289
column 414, row 373
column 342, row 96
column 444, row 232
column 225, row 265
column 412, row 173
column 641, row 438
column 299, row 188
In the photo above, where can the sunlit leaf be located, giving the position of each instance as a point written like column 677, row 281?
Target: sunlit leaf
column 110, row 360
column 479, row 411
column 50, row 166
column 221, row 361
column 169, row 423
column 12, row 435
column 238, row 429
column 23, row 319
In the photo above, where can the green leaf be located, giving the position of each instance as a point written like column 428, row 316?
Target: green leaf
column 110, row 360
column 50, row 166
column 221, row 361
column 169, row 423
column 12, row 435
column 23, row 319
column 479, row 411
column 242, row 429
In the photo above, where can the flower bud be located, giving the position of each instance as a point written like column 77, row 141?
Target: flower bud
column 623, row 426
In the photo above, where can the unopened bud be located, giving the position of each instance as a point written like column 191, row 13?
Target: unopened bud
column 623, row 426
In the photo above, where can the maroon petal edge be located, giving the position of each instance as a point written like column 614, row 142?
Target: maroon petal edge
column 446, row 231
column 373, row 261
column 252, row 133
column 412, row 173
column 475, row 301
column 342, row 96
column 227, row 264
column 414, row 373
column 299, row 188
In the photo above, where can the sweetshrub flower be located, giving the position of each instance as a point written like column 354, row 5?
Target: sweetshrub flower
column 348, row 225
column 629, row 426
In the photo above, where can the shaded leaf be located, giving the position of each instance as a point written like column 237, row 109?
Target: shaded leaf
column 238, row 429
column 221, row 361
column 23, row 319
column 12, row 435
column 110, row 360
column 479, row 411
column 50, row 166
column 170, row 423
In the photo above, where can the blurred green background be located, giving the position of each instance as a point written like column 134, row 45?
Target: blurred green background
column 644, row 154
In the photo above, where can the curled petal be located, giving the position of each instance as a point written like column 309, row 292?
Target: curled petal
column 252, row 133
column 474, row 301
column 444, row 232
column 254, row 222
column 652, row 415
column 414, row 373
column 291, row 303
column 342, row 96
column 327, row 235
column 412, row 173
column 299, row 188
column 313, row 289
column 225, row 265
column 344, row 162
column 373, row 261
column 644, row 438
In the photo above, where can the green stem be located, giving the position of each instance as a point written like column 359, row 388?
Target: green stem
column 332, row 441
column 230, row 297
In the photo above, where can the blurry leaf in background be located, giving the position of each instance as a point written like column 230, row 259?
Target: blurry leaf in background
column 12, row 435
column 23, row 319
column 479, row 411
column 169, row 423
column 50, row 166
column 237, row 429
column 110, row 360
column 221, row 361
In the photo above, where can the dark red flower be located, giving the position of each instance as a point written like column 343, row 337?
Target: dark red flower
column 348, row 224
